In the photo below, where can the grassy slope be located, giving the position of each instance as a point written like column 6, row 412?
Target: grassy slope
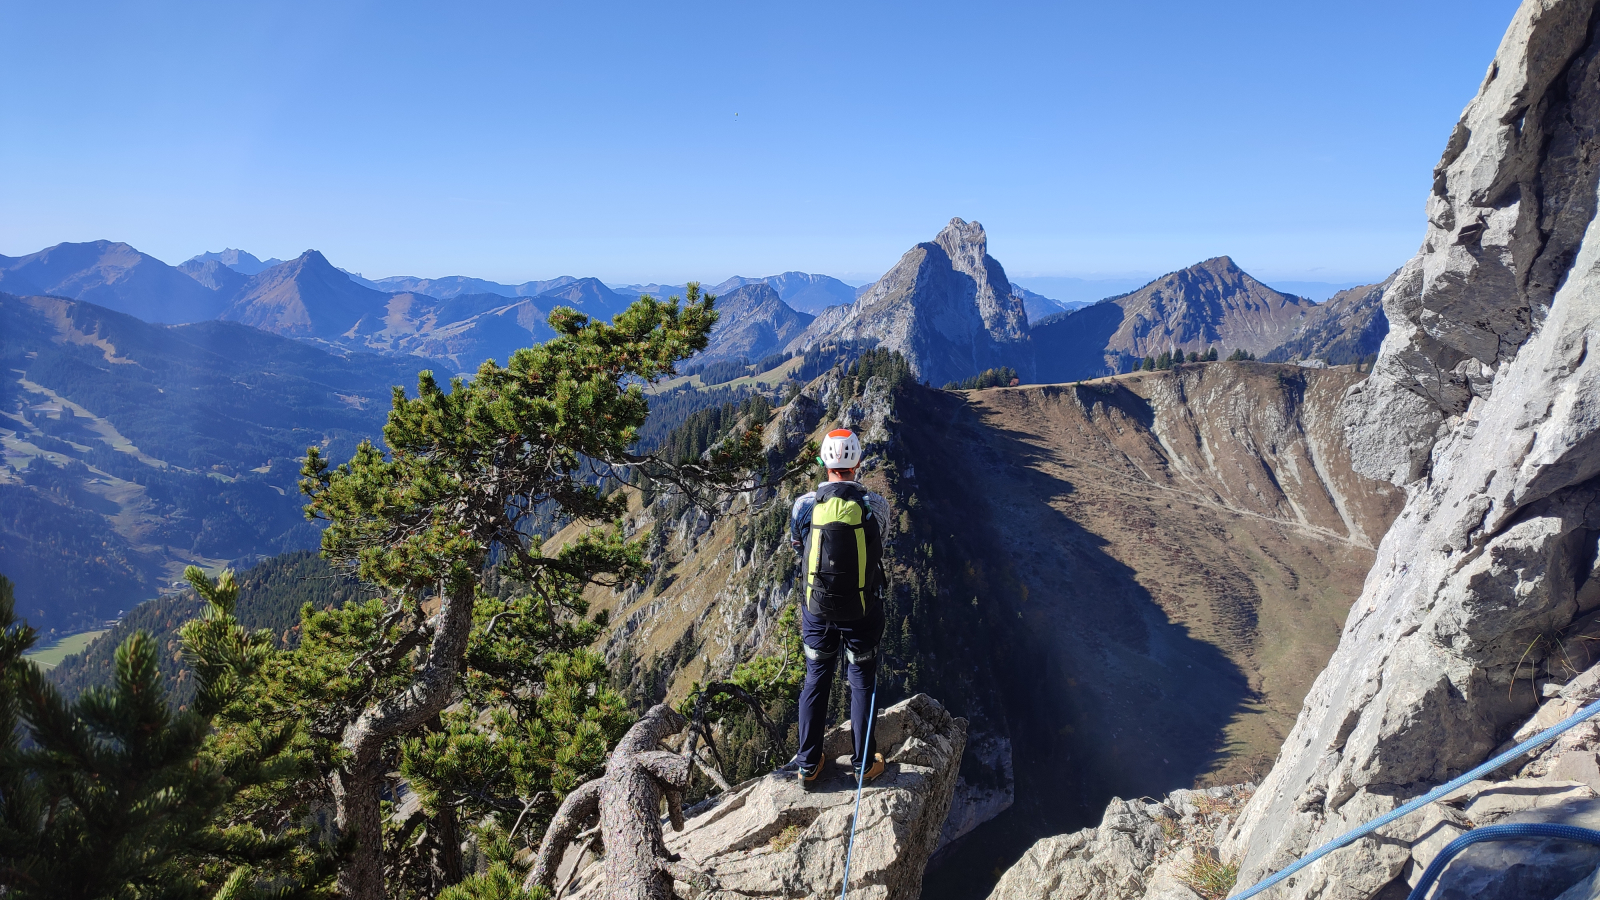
column 173, row 445
column 51, row 655
column 1176, row 570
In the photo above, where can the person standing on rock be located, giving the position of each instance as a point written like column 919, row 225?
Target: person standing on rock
column 838, row 531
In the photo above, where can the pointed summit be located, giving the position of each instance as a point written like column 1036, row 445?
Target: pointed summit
column 968, row 248
column 305, row 297
column 947, row 305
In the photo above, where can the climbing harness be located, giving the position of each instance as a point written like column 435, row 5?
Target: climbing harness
column 1350, row 837
column 1518, row 831
column 861, row 780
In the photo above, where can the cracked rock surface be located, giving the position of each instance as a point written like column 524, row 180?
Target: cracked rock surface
column 771, row 838
column 1485, row 404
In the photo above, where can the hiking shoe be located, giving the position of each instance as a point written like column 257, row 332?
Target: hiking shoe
column 809, row 777
column 873, row 771
column 798, row 769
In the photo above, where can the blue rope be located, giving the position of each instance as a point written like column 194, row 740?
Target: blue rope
column 1519, row 831
column 861, row 780
column 1350, row 837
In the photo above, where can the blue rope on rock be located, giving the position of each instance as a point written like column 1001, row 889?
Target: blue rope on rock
column 861, row 780
column 1518, row 831
column 1350, row 837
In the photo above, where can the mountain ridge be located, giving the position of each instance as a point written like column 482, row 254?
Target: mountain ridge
column 114, row 275
column 1213, row 303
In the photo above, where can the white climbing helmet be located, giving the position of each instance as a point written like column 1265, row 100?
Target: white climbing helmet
column 841, row 449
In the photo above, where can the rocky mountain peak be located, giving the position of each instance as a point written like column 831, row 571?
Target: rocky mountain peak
column 1219, row 265
column 966, row 245
column 968, row 248
column 946, row 305
column 752, row 321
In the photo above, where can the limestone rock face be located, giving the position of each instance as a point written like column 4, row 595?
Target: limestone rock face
column 771, row 838
column 1140, row 850
column 1512, row 201
column 947, row 306
column 1485, row 403
column 977, row 802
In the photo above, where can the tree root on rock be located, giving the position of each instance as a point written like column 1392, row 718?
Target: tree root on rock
column 625, row 800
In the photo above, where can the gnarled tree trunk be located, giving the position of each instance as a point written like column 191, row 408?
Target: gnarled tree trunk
column 358, row 808
column 627, row 800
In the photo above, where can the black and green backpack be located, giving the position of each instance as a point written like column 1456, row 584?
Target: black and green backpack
column 844, row 554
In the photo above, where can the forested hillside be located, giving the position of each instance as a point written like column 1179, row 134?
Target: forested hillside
column 271, row 596
column 132, row 449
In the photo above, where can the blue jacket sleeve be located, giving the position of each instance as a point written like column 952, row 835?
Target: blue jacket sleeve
column 800, row 520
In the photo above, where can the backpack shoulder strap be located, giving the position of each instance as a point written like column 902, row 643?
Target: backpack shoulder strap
column 844, row 490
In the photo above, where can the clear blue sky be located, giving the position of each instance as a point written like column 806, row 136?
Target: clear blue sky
column 661, row 141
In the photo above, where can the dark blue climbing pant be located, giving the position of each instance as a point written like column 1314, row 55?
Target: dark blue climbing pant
column 823, row 640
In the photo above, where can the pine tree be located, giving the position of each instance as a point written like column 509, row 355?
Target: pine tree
column 420, row 523
column 118, row 797
column 1149, row 364
column 21, row 802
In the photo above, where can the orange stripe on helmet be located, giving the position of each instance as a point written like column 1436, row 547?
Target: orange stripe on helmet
column 840, row 433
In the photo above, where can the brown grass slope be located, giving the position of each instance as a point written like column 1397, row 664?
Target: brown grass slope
column 1176, row 552
column 1217, row 498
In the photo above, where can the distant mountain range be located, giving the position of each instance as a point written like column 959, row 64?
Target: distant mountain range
column 113, row 275
column 128, row 450
column 458, row 319
column 948, row 305
column 237, row 260
column 1039, row 306
column 131, row 448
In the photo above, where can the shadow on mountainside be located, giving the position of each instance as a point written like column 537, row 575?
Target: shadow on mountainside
column 1102, row 694
column 1072, row 345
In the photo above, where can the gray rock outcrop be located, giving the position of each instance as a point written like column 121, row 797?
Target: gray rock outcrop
column 1485, row 403
column 946, row 305
column 771, row 838
column 1154, row 851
